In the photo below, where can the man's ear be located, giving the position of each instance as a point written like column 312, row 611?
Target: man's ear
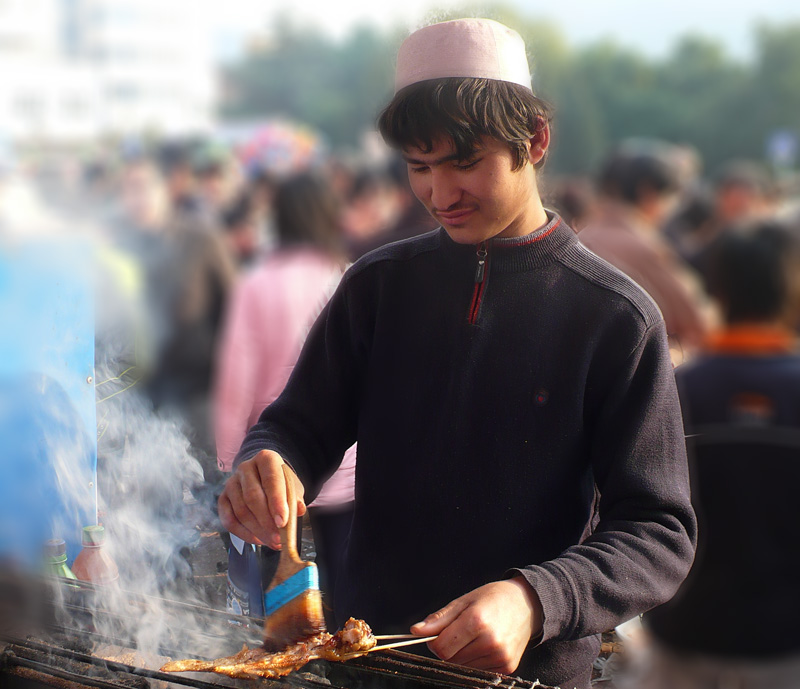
column 539, row 144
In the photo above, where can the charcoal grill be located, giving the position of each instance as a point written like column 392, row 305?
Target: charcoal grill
column 81, row 643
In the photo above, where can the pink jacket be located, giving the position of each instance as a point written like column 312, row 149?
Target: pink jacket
column 268, row 317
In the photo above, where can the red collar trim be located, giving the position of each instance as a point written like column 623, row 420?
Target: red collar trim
column 535, row 236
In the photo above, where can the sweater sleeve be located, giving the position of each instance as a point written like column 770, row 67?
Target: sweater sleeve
column 313, row 421
column 643, row 544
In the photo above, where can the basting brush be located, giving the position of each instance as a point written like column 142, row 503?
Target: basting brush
column 292, row 602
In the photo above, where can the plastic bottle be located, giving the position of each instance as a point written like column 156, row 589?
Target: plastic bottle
column 55, row 559
column 244, row 596
column 93, row 563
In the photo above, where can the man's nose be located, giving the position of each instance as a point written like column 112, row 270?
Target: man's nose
column 445, row 191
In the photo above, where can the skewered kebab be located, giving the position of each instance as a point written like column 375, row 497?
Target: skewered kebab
column 352, row 640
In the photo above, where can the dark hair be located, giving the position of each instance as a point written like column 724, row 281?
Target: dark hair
column 307, row 212
column 572, row 198
column 241, row 210
column 464, row 110
column 626, row 175
column 747, row 174
column 367, row 182
column 750, row 268
column 175, row 155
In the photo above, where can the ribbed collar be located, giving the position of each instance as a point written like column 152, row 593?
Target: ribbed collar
column 516, row 254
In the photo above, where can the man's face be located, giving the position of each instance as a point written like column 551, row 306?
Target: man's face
column 144, row 196
column 477, row 198
column 736, row 202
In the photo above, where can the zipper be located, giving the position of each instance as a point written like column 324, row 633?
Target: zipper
column 480, row 282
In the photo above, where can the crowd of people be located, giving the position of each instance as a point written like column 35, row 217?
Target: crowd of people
column 231, row 266
column 211, row 274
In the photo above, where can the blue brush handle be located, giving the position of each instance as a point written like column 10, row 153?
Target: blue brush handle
column 304, row 580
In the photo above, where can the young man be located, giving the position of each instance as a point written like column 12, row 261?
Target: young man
column 521, row 476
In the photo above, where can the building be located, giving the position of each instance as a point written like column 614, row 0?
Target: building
column 76, row 70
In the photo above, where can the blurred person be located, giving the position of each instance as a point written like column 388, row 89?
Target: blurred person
column 98, row 186
column 341, row 175
column 742, row 192
column 638, row 189
column 267, row 320
column 573, row 199
column 689, row 227
column 521, row 482
column 241, row 225
column 204, row 275
column 140, row 229
column 371, row 208
column 733, row 621
column 188, row 273
column 684, row 160
column 405, row 216
column 689, row 164
column 134, row 281
column 175, row 162
column 219, row 176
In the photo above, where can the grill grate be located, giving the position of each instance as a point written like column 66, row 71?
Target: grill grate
column 51, row 653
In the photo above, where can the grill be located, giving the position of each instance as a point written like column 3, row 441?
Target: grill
column 77, row 639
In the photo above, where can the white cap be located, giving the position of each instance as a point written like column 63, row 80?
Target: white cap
column 463, row 48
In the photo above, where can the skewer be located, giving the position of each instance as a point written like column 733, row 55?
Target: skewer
column 396, row 644
column 387, row 637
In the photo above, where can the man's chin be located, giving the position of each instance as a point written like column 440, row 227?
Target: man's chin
column 466, row 235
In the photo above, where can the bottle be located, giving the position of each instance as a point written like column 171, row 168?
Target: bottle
column 93, row 563
column 244, row 596
column 55, row 559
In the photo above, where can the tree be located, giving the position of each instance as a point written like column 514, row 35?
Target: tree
column 307, row 77
column 602, row 93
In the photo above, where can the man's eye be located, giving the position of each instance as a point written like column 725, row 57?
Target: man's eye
column 469, row 165
column 419, row 169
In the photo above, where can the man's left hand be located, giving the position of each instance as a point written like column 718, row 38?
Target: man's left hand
column 488, row 628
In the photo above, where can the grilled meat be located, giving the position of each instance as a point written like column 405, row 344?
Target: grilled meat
column 354, row 637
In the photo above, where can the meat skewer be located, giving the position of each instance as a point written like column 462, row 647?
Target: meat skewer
column 353, row 640
column 398, row 644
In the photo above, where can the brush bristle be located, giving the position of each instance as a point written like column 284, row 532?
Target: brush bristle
column 300, row 618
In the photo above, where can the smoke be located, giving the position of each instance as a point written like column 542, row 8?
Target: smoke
column 151, row 493
column 149, row 486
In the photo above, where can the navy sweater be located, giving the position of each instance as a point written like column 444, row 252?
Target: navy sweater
column 520, row 417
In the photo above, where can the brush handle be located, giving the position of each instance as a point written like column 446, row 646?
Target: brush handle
column 290, row 562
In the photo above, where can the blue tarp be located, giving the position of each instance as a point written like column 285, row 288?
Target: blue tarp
column 48, row 447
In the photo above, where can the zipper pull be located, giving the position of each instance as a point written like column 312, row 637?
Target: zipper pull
column 481, row 272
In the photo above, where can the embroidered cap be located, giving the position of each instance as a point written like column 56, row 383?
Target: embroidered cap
column 463, row 48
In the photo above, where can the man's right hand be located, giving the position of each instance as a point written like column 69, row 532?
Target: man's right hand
column 253, row 503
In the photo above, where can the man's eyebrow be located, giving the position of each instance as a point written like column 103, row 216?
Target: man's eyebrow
column 444, row 159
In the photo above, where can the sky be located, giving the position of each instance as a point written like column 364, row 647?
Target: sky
column 650, row 26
